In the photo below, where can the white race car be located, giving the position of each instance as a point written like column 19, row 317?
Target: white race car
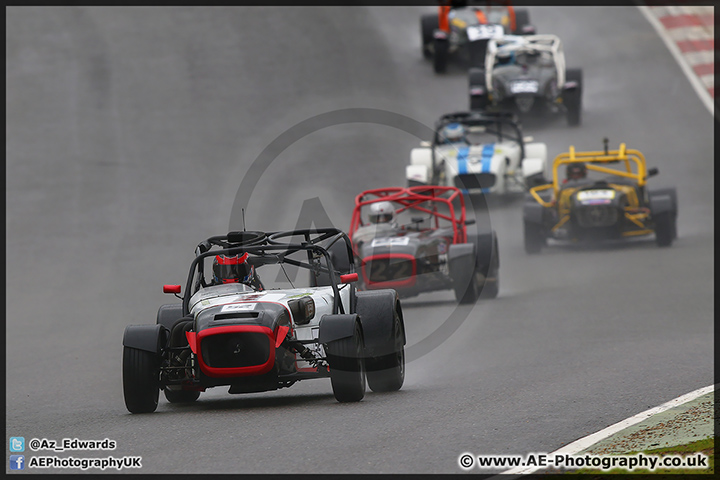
column 478, row 152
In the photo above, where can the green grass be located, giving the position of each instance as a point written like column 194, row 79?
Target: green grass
column 706, row 446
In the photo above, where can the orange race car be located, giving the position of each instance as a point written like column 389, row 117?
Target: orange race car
column 462, row 29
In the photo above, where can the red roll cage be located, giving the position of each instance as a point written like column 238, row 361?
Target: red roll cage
column 412, row 198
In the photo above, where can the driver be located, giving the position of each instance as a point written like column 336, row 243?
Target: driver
column 576, row 171
column 454, row 133
column 382, row 212
column 235, row 269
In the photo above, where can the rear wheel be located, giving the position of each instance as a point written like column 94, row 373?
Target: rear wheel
column 176, row 395
column 478, row 89
column 347, row 371
column 491, row 288
column 387, row 373
column 428, row 24
column 534, row 237
column 141, row 386
column 466, row 294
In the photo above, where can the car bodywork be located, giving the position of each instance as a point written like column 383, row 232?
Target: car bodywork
column 524, row 74
column 426, row 247
column 614, row 204
column 495, row 158
column 255, row 339
column 462, row 29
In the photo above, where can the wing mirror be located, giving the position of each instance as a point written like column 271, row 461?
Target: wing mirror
column 349, row 278
column 652, row 172
column 470, row 221
column 171, row 289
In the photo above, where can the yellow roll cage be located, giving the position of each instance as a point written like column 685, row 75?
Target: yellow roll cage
column 589, row 159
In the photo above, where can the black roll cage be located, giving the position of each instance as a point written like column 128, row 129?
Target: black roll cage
column 262, row 249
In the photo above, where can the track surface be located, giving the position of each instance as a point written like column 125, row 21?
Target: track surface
column 128, row 132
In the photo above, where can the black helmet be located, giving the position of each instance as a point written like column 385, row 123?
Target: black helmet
column 576, row 171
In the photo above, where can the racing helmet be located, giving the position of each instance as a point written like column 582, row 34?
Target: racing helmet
column 576, row 171
column 382, row 212
column 453, row 132
column 232, row 269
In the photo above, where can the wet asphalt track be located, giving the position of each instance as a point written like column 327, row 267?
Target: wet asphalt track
column 128, row 132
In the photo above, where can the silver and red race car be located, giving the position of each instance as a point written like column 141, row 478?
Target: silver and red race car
column 415, row 240
column 244, row 323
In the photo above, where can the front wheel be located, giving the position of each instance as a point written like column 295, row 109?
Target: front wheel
column 491, row 287
column 573, row 98
column 387, row 373
column 534, row 238
column 347, row 370
column 467, row 294
column 141, row 388
column 441, row 54
column 665, row 229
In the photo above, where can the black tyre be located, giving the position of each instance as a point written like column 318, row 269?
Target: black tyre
column 491, row 288
column 347, row 369
column 673, row 194
column 441, row 54
column 180, row 396
column 534, row 237
column 387, row 373
column 573, row 98
column 466, row 294
column 141, row 387
column 665, row 229
column 478, row 89
column 428, row 24
column 522, row 19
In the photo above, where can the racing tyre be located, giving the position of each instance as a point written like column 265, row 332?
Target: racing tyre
column 573, row 98
column 141, row 388
column 181, row 396
column 522, row 19
column 440, row 57
column 347, row 369
column 673, row 194
column 478, row 89
column 665, row 229
column 387, row 373
column 428, row 24
column 466, row 294
column 534, row 238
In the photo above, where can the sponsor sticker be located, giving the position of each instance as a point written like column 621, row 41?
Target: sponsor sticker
column 604, row 194
column 236, row 307
column 524, row 86
column 386, row 242
column 481, row 32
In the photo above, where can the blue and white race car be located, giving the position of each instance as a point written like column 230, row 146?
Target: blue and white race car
column 478, row 152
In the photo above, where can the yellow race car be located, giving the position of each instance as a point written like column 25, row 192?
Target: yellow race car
column 603, row 196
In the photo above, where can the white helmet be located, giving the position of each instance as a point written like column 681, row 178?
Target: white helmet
column 454, row 132
column 382, row 212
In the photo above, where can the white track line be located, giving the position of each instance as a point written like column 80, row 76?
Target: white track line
column 585, row 442
column 700, row 89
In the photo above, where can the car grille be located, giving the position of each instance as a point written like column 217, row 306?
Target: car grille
column 597, row 216
column 389, row 269
column 236, row 349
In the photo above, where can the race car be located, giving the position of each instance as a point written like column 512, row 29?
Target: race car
column 243, row 322
column 415, row 240
column 478, row 152
column 462, row 29
column 527, row 74
column 597, row 202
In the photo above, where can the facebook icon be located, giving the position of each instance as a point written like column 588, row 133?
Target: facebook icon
column 17, row 462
